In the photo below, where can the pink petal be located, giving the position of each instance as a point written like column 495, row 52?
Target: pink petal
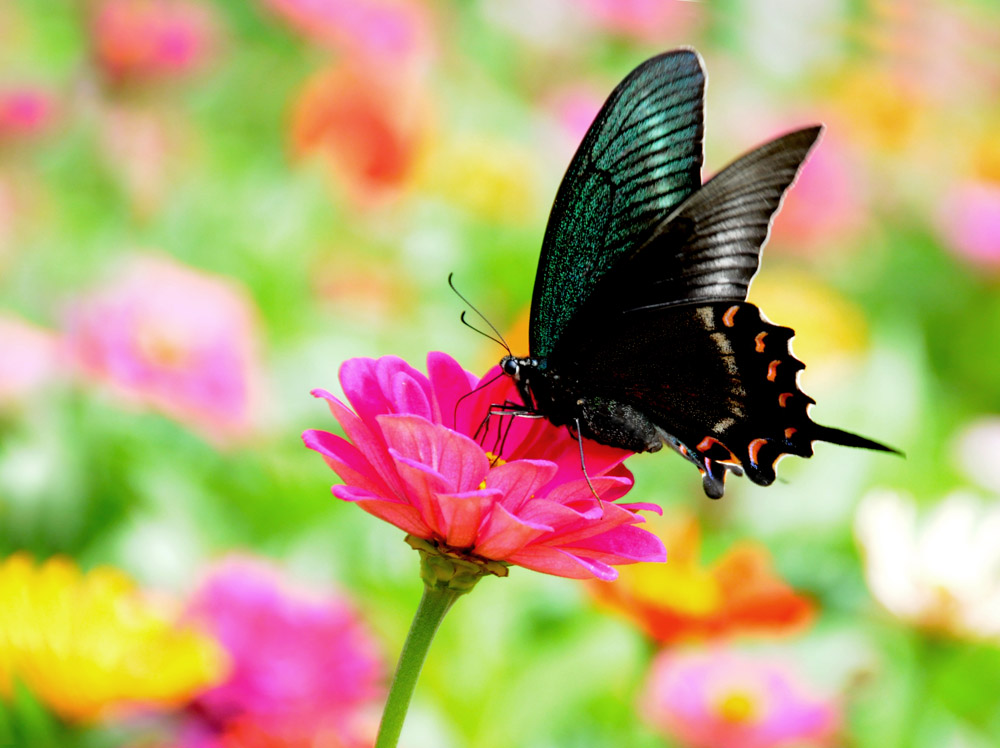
column 642, row 506
column 621, row 545
column 504, row 533
column 409, row 395
column 422, row 484
column 368, row 440
column 520, row 480
column 451, row 454
column 360, row 386
column 562, row 564
column 606, row 486
column 463, row 514
column 346, row 461
column 449, row 382
column 394, row 373
column 404, row 516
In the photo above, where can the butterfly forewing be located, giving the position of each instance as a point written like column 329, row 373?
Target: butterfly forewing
column 640, row 159
column 710, row 247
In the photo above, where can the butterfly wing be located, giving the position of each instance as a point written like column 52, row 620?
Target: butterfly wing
column 709, row 247
column 718, row 378
column 640, row 159
column 667, row 332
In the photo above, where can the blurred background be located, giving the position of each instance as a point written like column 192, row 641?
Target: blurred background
column 207, row 205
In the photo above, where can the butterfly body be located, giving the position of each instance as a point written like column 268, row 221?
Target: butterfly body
column 640, row 332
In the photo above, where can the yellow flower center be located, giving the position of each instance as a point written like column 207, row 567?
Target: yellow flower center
column 495, row 461
column 738, row 707
column 162, row 347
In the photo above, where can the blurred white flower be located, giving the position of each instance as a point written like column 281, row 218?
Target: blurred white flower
column 943, row 574
column 976, row 450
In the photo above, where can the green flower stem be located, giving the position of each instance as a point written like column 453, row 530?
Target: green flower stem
column 448, row 574
column 435, row 602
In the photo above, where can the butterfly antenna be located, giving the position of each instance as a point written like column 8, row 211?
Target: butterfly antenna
column 482, row 316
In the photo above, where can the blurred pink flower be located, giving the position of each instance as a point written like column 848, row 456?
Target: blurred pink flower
column 969, row 222
column 176, row 339
column 303, row 665
column 25, row 112
column 708, row 699
column 141, row 39
column 574, row 108
column 828, row 203
column 29, row 360
column 390, row 33
column 413, row 461
column 647, row 20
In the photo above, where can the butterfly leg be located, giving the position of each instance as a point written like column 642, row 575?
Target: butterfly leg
column 583, row 462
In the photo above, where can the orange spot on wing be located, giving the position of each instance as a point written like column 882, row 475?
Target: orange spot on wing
column 709, row 442
column 727, row 318
column 772, row 370
column 783, row 398
column 754, row 449
column 759, row 341
column 790, row 432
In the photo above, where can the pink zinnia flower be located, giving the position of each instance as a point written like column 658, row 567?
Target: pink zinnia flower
column 829, row 203
column 412, row 460
column 303, row 665
column 969, row 222
column 176, row 339
column 25, row 112
column 141, row 39
column 647, row 20
column 708, row 699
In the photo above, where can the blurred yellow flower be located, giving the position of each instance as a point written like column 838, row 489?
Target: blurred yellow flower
column 493, row 179
column 86, row 644
column 827, row 325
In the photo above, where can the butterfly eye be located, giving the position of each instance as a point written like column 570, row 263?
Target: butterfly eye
column 509, row 366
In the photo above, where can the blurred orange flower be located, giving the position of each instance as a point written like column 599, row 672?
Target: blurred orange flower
column 86, row 644
column 683, row 600
column 368, row 128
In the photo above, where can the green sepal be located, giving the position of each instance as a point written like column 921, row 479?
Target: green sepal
column 442, row 567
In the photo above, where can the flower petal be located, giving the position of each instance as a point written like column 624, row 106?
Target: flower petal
column 451, row 454
column 449, row 382
column 520, row 480
column 463, row 513
column 368, row 440
column 404, row 516
column 346, row 461
column 562, row 563
column 504, row 533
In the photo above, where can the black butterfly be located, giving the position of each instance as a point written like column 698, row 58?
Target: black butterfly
column 640, row 331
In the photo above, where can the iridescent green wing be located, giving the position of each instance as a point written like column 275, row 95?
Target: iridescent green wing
column 639, row 160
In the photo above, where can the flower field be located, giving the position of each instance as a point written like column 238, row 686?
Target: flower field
column 226, row 234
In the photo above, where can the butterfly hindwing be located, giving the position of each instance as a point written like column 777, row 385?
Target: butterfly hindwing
column 640, row 159
column 717, row 379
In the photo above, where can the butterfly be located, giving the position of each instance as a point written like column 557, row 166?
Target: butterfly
column 640, row 332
